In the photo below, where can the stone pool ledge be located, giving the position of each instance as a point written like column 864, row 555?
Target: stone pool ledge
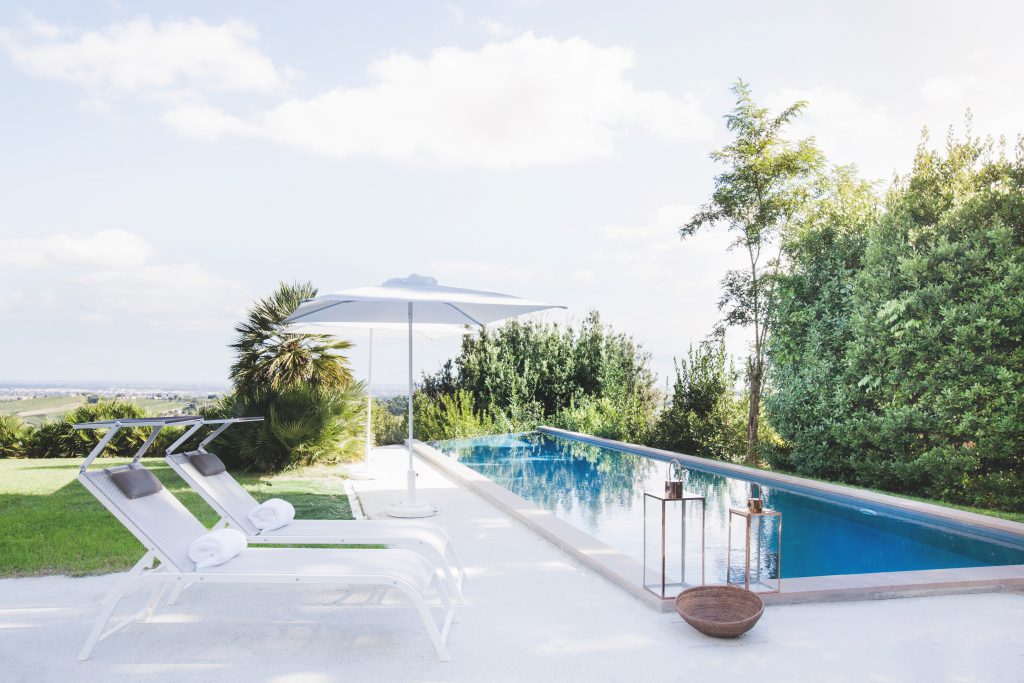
column 613, row 564
column 627, row 573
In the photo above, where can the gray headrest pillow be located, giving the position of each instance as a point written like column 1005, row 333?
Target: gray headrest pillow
column 208, row 464
column 135, row 482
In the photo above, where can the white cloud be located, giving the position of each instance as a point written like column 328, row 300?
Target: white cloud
column 106, row 249
column 657, row 286
column 178, row 295
column 496, row 28
column 452, row 272
column 10, row 299
column 95, row 105
column 141, row 57
column 513, row 103
column 987, row 86
column 456, row 13
column 852, row 130
column 39, row 28
column 200, row 121
column 525, row 102
column 847, row 128
column 97, row 277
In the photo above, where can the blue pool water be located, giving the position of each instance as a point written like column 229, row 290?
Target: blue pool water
column 600, row 490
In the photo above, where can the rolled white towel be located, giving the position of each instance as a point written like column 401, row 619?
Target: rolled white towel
column 216, row 547
column 272, row 514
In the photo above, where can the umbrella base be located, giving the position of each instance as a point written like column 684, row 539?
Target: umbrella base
column 410, row 510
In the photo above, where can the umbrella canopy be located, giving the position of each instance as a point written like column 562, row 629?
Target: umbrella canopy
column 432, row 305
column 415, row 300
column 392, row 330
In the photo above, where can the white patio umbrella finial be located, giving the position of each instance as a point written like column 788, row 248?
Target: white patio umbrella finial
column 413, row 300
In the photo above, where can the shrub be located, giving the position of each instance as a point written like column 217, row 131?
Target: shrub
column 299, row 383
column 15, row 436
column 389, row 421
column 705, row 416
column 451, row 416
column 59, row 438
column 625, row 419
column 524, row 373
column 302, row 426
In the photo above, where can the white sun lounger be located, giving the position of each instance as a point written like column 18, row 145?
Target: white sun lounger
column 166, row 528
column 232, row 502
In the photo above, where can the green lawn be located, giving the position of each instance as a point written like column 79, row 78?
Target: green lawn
column 49, row 523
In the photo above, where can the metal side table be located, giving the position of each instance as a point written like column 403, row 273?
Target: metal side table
column 661, row 582
column 748, row 518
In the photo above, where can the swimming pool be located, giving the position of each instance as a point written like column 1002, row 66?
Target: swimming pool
column 600, row 490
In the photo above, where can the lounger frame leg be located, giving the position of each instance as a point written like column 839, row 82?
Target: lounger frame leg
column 135, row 579
column 176, row 592
column 456, row 562
column 453, row 580
column 439, row 637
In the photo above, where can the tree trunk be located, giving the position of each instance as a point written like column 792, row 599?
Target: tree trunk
column 756, row 368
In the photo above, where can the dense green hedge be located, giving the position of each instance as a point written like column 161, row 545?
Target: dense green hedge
column 586, row 377
column 898, row 351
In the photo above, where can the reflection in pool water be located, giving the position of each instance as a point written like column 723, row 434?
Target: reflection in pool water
column 600, row 490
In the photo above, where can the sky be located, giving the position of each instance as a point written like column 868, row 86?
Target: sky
column 161, row 167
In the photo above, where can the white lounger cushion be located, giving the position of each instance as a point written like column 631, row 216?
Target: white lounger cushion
column 160, row 518
column 216, row 547
column 236, row 502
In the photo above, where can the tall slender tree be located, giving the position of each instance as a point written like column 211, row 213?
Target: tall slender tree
column 766, row 183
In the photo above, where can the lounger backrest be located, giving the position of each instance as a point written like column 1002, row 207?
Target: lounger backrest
column 159, row 521
column 221, row 491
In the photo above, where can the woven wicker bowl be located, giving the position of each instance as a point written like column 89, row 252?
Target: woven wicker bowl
column 720, row 611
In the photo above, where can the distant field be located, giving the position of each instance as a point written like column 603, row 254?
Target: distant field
column 37, row 410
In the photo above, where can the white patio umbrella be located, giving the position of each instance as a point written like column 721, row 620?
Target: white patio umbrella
column 415, row 300
column 430, row 332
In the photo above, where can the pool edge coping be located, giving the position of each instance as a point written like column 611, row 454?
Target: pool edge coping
column 612, row 564
column 627, row 573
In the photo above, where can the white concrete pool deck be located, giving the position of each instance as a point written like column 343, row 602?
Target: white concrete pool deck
column 534, row 614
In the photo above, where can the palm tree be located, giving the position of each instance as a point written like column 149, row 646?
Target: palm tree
column 270, row 359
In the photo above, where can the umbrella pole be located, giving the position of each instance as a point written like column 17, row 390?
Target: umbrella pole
column 366, row 472
column 410, row 508
column 411, row 500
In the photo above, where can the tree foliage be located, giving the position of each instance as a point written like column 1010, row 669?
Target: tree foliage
column 300, row 383
column 389, row 420
column 705, row 415
column 899, row 360
column 269, row 358
column 812, row 327
column 765, row 185
column 525, row 372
